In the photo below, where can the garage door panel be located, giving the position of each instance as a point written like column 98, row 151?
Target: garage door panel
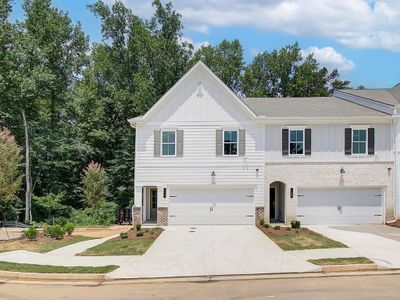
column 340, row 205
column 212, row 206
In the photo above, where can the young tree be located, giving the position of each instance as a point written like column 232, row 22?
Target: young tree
column 94, row 185
column 10, row 174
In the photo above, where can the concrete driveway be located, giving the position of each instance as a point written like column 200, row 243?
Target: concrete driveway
column 379, row 243
column 212, row 250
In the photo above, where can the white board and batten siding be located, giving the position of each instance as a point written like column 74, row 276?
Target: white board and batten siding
column 200, row 107
column 327, row 144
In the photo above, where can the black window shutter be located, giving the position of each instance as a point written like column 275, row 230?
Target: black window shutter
column 371, row 141
column 307, row 133
column 285, row 141
column 347, row 141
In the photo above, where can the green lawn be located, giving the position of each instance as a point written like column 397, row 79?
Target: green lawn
column 41, row 245
column 120, row 247
column 30, row 268
column 300, row 239
column 341, row 261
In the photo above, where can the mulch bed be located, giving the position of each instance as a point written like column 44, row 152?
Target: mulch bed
column 148, row 233
column 395, row 224
column 41, row 238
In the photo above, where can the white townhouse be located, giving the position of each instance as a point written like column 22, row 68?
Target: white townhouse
column 206, row 156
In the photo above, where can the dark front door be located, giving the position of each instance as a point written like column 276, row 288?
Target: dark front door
column 272, row 203
column 153, row 204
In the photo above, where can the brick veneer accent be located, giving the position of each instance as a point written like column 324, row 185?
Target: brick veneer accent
column 259, row 214
column 162, row 216
column 137, row 215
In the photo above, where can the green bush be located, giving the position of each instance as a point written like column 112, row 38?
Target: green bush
column 56, row 231
column 139, row 233
column 50, row 208
column 123, row 235
column 46, row 229
column 277, row 227
column 138, row 227
column 31, row 233
column 295, row 224
column 69, row 228
column 266, row 225
column 102, row 215
column 261, row 222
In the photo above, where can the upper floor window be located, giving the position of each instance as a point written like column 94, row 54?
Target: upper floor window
column 359, row 141
column 168, row 143
column 230, row 142
column 296, row 141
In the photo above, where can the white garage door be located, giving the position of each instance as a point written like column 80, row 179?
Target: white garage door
column 211, row 206
column 340, row 205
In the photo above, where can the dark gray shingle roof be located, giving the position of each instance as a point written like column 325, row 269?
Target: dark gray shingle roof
column 308, row 107
column 387, row 96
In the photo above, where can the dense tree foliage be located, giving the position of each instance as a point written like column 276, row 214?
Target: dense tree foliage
column 10, row 174
column 67, row 102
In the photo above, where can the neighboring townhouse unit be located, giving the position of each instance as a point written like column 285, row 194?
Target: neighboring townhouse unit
column 205, row 156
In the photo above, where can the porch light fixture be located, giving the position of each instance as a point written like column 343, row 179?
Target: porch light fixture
column 291, row 193
column 342, row 171
column 212, row 173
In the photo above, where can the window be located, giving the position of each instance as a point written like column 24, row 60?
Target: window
column 230, row 142
column 359, row 141
column 168, row 143
column 296, row 141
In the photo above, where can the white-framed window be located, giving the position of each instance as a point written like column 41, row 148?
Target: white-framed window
column 231, row 144
column 168, row 143
column 296, row 141
column 359, row 138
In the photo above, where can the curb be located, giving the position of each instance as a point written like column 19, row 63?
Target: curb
column 349, row 268
column 19, row 277
column 51, row 276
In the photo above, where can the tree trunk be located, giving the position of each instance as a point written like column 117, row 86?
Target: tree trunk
column 28, row 193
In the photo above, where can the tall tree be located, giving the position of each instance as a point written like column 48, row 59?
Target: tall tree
column 10, row 174
column 225, row 60
column 285, row 73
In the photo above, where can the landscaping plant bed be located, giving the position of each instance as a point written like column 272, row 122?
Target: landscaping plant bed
column 299, row 239
column 395, row 224
column 41, row 243
column 341, row 261
column 31, row 268
column 131, row 245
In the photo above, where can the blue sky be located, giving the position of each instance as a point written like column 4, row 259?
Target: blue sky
column 359, row 37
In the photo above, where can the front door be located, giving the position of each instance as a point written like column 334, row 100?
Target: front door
column 272, row 203
column 153, row 204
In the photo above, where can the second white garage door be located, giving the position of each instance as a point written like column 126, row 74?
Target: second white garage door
column 340, row 205
column 211, row 206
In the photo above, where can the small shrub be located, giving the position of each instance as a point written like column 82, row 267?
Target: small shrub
column 46, row 229
column 277, row 227
column 288, row 228
column 139, row 233
column 123, row 235
column 31, row 233
column 295, row 224
column 138, row 227
column 56, row 232
column 261, row 222
column 69, row 228
column 266, row 225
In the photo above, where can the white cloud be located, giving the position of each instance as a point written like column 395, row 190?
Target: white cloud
column 254, row 51
column 329, row 58
column 196, row 46
column 354, row 23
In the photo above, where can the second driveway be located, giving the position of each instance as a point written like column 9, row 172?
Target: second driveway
column 213, row 250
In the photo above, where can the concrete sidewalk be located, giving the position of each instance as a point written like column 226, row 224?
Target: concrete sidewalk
column 383, row 251
column 182, row 251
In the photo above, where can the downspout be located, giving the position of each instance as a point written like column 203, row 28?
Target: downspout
column 396, row 152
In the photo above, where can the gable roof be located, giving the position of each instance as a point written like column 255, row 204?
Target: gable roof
column 387, row 96
column 309, row 107
column 198, row 65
